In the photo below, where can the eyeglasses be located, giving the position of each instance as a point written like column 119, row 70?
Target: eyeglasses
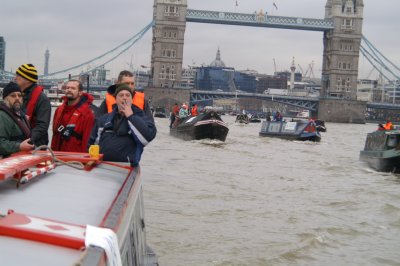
column 129, row 83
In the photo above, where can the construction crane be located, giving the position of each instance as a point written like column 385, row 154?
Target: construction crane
column 311, row 68
column 301, row 69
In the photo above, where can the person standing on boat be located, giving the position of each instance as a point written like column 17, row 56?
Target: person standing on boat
column 35, row 104
column 125, row 77
column 183, row 112
column 194, row 111
column 174, row 114
column 123, row 133
column 15, row 131
column 73, row 120
column 388, row 125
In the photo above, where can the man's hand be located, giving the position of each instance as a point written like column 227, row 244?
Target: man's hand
column 125, row 109
column 26, row 146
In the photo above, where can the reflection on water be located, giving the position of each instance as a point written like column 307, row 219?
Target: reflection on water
column 263, row 201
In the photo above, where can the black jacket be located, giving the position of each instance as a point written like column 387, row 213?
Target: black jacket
column 122, row 139
column 42, row 114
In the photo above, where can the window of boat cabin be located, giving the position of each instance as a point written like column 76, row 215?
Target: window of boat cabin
column 392, row 140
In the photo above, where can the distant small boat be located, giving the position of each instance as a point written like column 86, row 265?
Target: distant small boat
column 55, row 95
column 297, row 130
column 382, row 151
column 255, row 119
column 243, row 119
column 208, row 125
column 160, row 112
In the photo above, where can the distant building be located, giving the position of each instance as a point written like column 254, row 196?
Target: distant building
column 245, row 82
column 142, row 79
column 271, row 82
column 215, row 78
column 286, row 74
column 218, row 77
column 188, row 77
column 2, row 53
column 46, row 62
column 367, row 90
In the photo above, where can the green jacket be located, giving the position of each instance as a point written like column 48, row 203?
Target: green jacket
column 10, row 135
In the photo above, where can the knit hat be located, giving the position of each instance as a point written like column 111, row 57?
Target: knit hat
column 121, row 87
column 28, row 71
column 10, row 88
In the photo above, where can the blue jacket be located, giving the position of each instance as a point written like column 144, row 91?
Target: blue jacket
column 122, row 139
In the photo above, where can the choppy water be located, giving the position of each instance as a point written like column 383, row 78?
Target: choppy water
column 263, row 201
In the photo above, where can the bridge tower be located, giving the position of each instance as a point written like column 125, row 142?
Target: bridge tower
column 341, row 49
column 168, row 41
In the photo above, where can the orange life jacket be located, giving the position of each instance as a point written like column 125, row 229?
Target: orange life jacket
column 388, row 126
column 194, row 111
column 137, row 100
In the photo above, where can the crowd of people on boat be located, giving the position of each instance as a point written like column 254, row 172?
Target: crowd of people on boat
column 180, row 112
column 122, row 126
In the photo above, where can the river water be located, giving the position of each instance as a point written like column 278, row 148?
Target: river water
column 264, row 201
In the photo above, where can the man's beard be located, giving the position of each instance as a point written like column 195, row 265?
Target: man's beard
column 71, row 97
column 16, row 107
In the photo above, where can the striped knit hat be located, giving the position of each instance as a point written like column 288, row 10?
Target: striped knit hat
column 28, row 71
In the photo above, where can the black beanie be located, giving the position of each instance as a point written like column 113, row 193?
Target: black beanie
column 121, row 87
column 10, row 88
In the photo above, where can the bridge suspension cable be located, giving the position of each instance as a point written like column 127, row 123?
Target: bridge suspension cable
column 114, row 53
column 130, row 42
column 381, row 63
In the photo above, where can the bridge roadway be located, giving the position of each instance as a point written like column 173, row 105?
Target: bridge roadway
column 308, row 103
column 259, row 20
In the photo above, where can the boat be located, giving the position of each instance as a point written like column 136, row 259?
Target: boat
column 303, row 114
column 242, row 119
column 160, row 112
column 296, row 130
column 382, row 151
column 208, row 125
column 60, row 215
column 55, row 95
column 320, row 125
column 255, row 119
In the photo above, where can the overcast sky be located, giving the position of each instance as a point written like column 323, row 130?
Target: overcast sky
column 77, row 30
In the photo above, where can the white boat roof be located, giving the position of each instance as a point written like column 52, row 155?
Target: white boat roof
column 66, row 195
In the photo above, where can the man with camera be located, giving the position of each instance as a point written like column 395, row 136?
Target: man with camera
column 73, row 120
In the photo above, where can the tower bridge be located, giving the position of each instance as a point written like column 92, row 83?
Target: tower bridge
column 342, row 33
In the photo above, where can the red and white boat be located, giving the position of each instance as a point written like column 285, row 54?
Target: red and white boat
column 59, row 215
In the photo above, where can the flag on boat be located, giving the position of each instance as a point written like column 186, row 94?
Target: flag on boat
column 276, row 7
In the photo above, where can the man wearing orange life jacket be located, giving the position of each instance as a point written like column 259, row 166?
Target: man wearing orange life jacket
column 138, row 99
column 194, row 111
column 35, row 104
column 388, row 125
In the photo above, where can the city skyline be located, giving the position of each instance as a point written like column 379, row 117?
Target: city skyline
column 84, row 30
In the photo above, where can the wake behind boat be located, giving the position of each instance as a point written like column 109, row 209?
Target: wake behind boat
column 297, row 130
column 208, row 125
column 43, row 221
column 382, row 151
